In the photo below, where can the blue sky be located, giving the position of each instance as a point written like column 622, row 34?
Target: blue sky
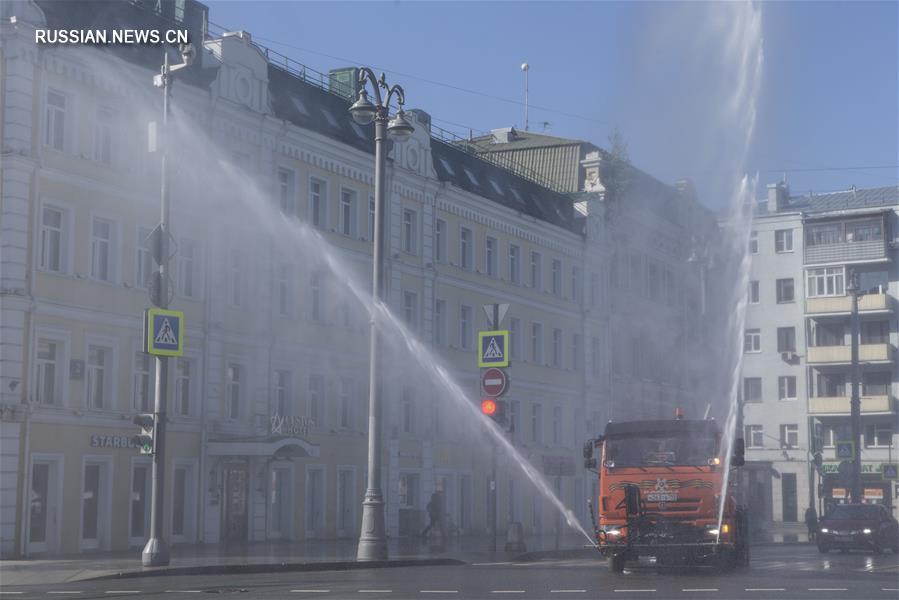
column 829, row 93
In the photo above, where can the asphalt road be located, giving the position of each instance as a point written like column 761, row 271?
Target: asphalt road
column 777, row 572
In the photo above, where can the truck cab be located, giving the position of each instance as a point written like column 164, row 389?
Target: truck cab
column 665, row 492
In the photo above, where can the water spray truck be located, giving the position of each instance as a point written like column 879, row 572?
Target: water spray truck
column 664, row 493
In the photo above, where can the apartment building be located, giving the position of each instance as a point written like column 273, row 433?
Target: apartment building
column 797, row 369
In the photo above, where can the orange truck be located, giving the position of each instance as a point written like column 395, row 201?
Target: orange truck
column 660, row 486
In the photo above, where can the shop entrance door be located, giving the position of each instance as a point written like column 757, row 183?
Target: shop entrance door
column 234, row 516
column 43, row 514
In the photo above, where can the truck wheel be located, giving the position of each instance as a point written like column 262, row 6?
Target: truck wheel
column 823, row 549
column 616, row 563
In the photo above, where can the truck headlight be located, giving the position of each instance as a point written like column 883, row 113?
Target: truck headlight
column 613, row 532
column 712, row 532
column 825, row 530
column 866, row 531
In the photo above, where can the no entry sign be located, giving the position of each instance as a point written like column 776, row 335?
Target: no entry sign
column 494, row 382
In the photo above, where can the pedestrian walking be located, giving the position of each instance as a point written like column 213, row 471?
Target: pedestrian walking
column 811, row 522
column 435, row 516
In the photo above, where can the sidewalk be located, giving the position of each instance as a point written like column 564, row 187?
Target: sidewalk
column 276, row 555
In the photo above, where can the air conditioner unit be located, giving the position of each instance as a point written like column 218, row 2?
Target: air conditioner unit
column 788, row 356
column 894, row 244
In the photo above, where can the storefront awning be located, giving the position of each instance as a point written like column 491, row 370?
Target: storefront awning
column 287, row 446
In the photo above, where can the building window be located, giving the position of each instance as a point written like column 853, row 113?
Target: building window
column 536, row 271
column 408, row 410
column 440, row 241
column 753, row 292
column 754, row 242
column 408, row 490
column 824, row 282
column 465, row 327
column 789, row 436
column 315, row 405
column 576, row 344
column 828, row 334
column 537, row 423
column 346, row 403
column 515, row 264
column 283, row 289
column 830, row 385
column 104, row 136
column 235, row 278
column 514, row 338
column 410, row 309
column 752, row 389
column 594, row 355
column 878, row 435
column 54, row 223
column 755, row 436
column 183, row 376
column 466, row 249
column 281, row 400
column 636, row 273
column 232, row 387
column 410, row 231
column 371, row 218
column 287, row 192
column 101, row 249
column 786, row 387
column 557, row 348
column 316, row 291
column 188, row 265
column 318, row 202
column 557, row 277
column 440, row 322
column 143, row 388
column 144, row 267
column 864, row 231
column 55, row 134
column 786, row 339
column 49, row 355
column 783, row 240
column 98, row 383
column 576, row 285
column 752, row 341
column 490, row 256
column 785, row 290
column 875, row 332
column 653, row 280
column 537, row 343
column 515, row 420
column 348, row 212
column 557, row 425
column 876, row 383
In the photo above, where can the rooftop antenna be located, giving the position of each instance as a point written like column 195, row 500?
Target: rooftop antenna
column 525, row 67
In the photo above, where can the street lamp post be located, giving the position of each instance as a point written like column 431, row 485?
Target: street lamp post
column 373, row 538
column 156, row 551
column 855, row 401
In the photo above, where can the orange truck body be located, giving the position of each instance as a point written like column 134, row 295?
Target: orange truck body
column 679, row 481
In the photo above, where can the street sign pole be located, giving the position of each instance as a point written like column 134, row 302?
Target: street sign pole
column 855, row 402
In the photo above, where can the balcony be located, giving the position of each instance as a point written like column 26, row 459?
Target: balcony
column 839, row 405
column 842, row 355
column 847, row 252
column 835, row 305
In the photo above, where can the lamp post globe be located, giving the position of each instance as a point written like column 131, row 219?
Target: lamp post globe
column 363, row 111
column 399, row 128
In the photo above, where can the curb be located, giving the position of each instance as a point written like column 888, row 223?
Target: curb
column 245, row 569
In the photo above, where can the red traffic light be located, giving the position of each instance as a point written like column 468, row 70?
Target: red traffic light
column 488, row 406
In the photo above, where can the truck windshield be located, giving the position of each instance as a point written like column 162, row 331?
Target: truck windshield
column 661, row 450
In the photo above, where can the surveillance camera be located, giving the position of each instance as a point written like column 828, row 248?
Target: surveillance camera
column 188, row 53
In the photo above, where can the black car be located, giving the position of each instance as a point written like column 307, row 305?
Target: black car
column 859, row 526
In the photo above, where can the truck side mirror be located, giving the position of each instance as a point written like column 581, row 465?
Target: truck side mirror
column 588, row 449
column 632, row 500
column 589, row 463
column 738, row 459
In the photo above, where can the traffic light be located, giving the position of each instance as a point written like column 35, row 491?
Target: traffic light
column 495, row 409
column 145, row 440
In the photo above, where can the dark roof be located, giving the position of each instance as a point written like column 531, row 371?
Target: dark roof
column 845, row 200
column 669, row 427
column 522, row 140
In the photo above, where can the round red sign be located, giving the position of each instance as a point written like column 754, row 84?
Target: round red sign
column 494, row 382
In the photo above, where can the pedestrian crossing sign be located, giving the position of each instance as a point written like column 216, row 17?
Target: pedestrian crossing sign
column 164, row 332
column 493, row 349
column 889, row 471
column 845, row 450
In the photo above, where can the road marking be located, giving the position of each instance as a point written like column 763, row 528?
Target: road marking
column 122, row 592
column 375, row 591
column 310, row 591
column 567, row 591
column 63, row 592
column 184, row 591
column 765, row 589
column 5, row 592
column 889, row 589
column 507, row 591
column 828, row 589
column 438, row 591
column 635, row 590
column 699, row 590
column 490, row 564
